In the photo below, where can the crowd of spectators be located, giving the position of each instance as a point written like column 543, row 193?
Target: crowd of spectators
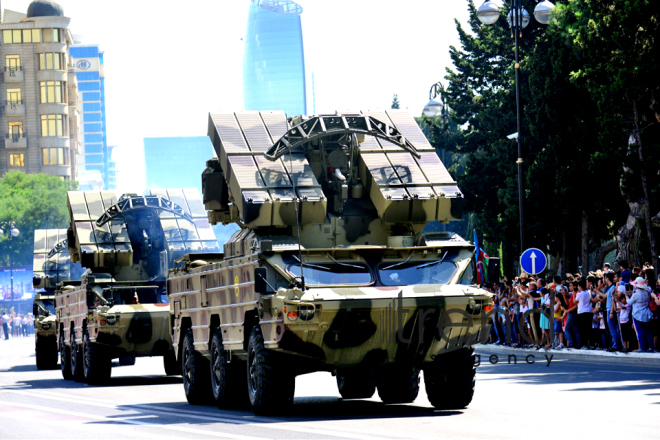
column 15, row 325
column 603, row 310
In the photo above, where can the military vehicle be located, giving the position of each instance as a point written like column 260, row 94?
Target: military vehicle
column 118, row 309
column 331, row 270
column 51, row 265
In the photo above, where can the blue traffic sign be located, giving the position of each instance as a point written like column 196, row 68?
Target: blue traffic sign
column 533, row 261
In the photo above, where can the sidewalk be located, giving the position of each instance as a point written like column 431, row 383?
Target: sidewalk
column 571, row 354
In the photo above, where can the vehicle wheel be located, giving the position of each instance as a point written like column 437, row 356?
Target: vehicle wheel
column 76, row 359
column 97, row 367
column 45, row 351
column 172, row 367
column 270, row 386
column 398, row 384
column 450, row 380
column 65, row 359
column 227, row 378
column 356, row 384
column 195, row 372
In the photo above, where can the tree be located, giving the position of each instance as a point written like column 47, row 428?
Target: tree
column 395, row 101
column 571, row 172
column 32, row 201
column 620, row 65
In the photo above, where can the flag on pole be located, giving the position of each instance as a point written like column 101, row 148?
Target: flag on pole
column 482, row 261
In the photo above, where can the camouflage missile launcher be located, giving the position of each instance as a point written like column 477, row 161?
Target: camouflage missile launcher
column 118, row 308
column 51, row 266
column 331, row 270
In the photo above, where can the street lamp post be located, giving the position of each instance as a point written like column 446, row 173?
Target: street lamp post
column 518, row 18
column 12, row 232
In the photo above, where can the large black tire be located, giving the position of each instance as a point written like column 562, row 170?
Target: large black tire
column 398, row 384
column 65, row 359
column 195, row 372
column 449, row 380
column 172, row 366
column 45, row 350
column 97, row 366
column 270, row 386
column 356, row 384
column 76, row 359
column 227, row 378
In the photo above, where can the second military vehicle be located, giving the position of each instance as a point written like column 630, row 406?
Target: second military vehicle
column 51, row 265
column 118, row 309
column 331, row 269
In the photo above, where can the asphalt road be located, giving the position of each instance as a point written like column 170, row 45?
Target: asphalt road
column 564, row 400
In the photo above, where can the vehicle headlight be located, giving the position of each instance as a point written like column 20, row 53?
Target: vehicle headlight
column 45, row 326
column 109, row 320
column 306, row 312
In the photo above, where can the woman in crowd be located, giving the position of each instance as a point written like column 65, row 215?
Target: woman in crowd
column 642, row 315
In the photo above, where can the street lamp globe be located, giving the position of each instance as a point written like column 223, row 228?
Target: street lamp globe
column 15, row 232
column 543, row 11
column 432, row 108
column 523, row 15
column 489, row 11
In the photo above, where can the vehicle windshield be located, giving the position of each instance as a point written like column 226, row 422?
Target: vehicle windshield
column 415, row 272
column 327, row 274
column 129, row 295
column 48, row 305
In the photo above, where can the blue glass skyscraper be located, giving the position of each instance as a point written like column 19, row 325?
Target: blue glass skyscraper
column 88, row 64
column 274, row 61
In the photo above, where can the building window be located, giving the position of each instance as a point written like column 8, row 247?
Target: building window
column 17, row 160
column 12, row 64
column 15, row 130
column 51, row 91
column 51, row 35
column 18, row 36
column 53, row 156
column 52, row 125
column 50, row 61
column 13, row 98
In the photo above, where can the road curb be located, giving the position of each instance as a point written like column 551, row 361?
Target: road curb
column 569, row 354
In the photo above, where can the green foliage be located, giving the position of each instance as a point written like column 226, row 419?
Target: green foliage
column 395, row 102
column 31, row 201
column 619, row 66
column 574, row 137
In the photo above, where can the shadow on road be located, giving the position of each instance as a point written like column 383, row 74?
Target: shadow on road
column 305, row 409
column 126, row 381
column 20, row 368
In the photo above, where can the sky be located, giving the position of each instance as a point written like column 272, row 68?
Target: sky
column 167, row 63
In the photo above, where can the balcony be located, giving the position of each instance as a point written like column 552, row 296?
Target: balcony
column 15, row 141
column 14, row 108
column 52, row 75
column 54, row 141
column 14, row 75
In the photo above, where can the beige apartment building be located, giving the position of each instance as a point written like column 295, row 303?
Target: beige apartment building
column 39, row 114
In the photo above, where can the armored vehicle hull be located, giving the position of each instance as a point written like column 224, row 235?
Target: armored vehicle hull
column 51, row 265
column 91, row 334
column 45, row 332
column 369, row 333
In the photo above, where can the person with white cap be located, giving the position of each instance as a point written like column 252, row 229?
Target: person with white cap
column 642, row 315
